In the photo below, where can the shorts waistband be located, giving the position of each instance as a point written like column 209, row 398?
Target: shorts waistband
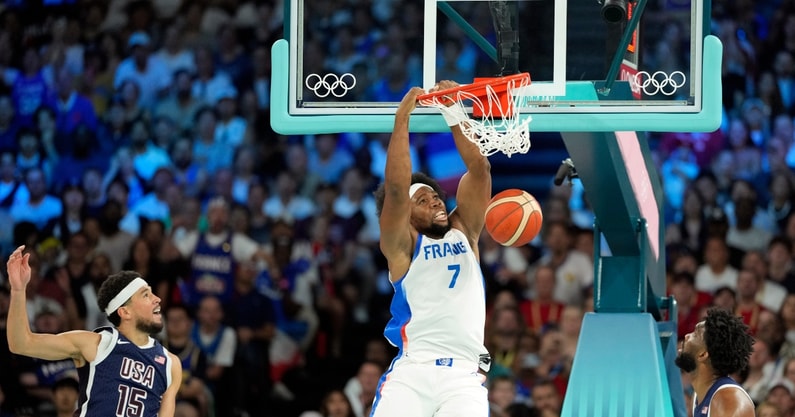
column 453, row 363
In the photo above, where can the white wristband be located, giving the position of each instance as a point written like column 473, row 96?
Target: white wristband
column 453, row 115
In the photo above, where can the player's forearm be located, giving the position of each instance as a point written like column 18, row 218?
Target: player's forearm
column 470, row 153
column 398, row 161
column 19, row 334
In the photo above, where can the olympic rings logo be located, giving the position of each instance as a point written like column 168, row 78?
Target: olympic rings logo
column 660, row 82
column 330, row 84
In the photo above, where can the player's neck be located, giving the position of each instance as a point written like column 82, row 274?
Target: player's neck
column 703, row 378
column 136, row 336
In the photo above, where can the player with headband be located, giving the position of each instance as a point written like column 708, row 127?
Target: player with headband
column 439, row 305
column 122, row 370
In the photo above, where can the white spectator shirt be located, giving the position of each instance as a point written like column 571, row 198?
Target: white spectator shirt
column 708, row 281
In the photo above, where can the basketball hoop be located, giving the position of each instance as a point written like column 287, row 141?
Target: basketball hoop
column 496, row 124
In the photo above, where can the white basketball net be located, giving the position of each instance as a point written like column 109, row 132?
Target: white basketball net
column 500, row 130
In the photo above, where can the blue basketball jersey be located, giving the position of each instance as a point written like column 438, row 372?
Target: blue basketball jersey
column 213, row 270
column 124, row 379
column 439, row 306
column 701, row 409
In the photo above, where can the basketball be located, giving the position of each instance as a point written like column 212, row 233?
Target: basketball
column 513, row 217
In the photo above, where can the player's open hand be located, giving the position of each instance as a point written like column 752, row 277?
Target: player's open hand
column 409, row 102
column 18, row 269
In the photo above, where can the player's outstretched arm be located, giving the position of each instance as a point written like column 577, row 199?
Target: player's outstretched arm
column 396, row 239
column 474, row 188
column 79, row 345
column 168, row 404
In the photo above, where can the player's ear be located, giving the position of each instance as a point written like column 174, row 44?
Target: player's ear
column 124, row 312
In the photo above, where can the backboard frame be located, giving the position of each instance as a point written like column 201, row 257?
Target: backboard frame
column 702, row 114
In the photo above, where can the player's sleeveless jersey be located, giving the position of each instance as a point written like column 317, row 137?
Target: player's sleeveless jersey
column 124, row 379
column 439, row 306
column 701, row 409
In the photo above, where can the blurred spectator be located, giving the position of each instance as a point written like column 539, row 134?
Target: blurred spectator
column 296, row 162
column 231, row 129
column 32, row 154
column 150, row 73
column 173, row 53
column 744, row 235
column 361, row 389
column 327, row 159
column 208, row 152
column 74, row 211
column 690, row 228
column 333, row 404
column 65, row 393
column 190, row 175
column 767, row 409
column 8, row 129
column 194, row 362
column 547, row 399
column 83, row 155
column 219, row 343
column 164, row 132
column 780, row 263
column 770, row 294
column 502, row 393
column 213, row 256
column 689, row 305
column 148, row 159
column 252, row 315
column 12, row 187
column 231, row 57
column 747, row 156
column 153, row 205
column 209, row 82
column 781, row 187
column 782, row 395
column 72, row 109
column 245, row 165
column 716, row 272
column 677, row 171
column 260, row 83
column 504, row 328
column 542, row 310
column 41, row 208
column 748, row 284
column 179, row 105
column 784, row 70
column 761, row 371
column 573, row 269
column 285, row 203
column 98, row 271
column 30, row 87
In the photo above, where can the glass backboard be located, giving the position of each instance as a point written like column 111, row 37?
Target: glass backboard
column 618, row 64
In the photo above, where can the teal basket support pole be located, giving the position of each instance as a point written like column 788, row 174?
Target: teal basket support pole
column 615, row 65
column 473, row 34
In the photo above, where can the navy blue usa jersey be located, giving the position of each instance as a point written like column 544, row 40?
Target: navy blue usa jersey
column 124, row 380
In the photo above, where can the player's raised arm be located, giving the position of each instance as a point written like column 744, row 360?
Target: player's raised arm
column 474, row 189
column 79, row 345
column 396, row 238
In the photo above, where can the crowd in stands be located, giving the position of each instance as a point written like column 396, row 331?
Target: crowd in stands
column 134, row 134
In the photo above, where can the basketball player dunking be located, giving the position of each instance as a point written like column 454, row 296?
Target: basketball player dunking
column 123, row 370
column 439, row 305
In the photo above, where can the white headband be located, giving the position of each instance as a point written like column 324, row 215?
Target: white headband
column 124, row 295
column 415, row 187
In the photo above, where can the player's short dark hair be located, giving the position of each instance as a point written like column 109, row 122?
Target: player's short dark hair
column 417, row 177
column 728, row 341
column 110, row 288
